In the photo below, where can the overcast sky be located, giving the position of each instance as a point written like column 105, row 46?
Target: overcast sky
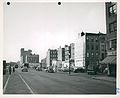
column 40, row 26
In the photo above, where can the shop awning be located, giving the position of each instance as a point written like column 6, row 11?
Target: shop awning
column 109, row 60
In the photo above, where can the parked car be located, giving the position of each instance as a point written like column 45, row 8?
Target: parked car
column 50, row 69
column 24, row 69
column 65, row 69
column 45, row 70
column 79, row 69
column 91, row 70
column 38, row 68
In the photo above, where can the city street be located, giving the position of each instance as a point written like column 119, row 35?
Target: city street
column 40, row 82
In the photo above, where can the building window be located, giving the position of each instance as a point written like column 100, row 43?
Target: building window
column 92, row 54
column 87, row 38
column 96, row 54
column 113, row 27
column 102, row 47
column 96, row 39
column 87, row 54
column 113, row 44
column 92, row 47
column 113, row 9
column 96, row 47
column 103, row 56
column 92, row 39
column 87, row 47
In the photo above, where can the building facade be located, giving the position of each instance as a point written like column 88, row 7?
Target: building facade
column 95, row 49
column 67, row 56
column 23, row 55
column 28, row 57
column 88, row 50
column 61, row 57
column 111, row 40
column 43, row 62
column 79, row 51
column 61, row 54
column 72, row 54
column 52, row 54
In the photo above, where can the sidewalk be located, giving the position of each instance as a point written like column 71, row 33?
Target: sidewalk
column 104, row 78
column 97, row 77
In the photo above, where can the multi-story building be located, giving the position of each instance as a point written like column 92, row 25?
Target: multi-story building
column 71, row 50
column 88, row 50
column 28, row 57
column 51, row 55
column 43, row 62
column 79, row 51
column 102, row 46
column 111, row 40
column 23, row 54
column 72, row 53
column 61, row 54
column 32, row 58
column 67, row 56
column 61, row 57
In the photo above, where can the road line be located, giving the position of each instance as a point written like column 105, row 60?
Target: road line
column 4, row 89
column 26, row 85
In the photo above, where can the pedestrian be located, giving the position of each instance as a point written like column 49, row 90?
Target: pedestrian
column 13, row 69
column 10, row 69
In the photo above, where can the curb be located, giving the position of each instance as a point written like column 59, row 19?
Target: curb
column 103, row 79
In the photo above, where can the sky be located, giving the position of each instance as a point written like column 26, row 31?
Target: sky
column 44, row 25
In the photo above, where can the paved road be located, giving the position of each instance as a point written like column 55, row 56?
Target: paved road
column 37, row 82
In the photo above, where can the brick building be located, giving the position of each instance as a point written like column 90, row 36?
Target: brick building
column 51, row 55
column 111, row 40
column 88, row 50
column 28, row 57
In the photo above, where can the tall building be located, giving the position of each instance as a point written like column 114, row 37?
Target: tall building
column 51, row 55
column 72, row 53
column 88, row 49
column 61, row 57
column 111, row 40
column 67, row 56
column 71, row 50
column 79, row 51
column 28, row 57
column 61, row 54
column 23, row 54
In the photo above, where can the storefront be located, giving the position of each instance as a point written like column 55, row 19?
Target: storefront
column 110, row 63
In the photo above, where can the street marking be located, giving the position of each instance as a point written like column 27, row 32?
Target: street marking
column 26, row 85
column 4, row 89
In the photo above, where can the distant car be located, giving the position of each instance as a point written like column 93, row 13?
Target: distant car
column 91, row 70
column 25, row 69
column 46, row 70
column 50, row 69
column 79, row 69
column 38, row 68
column 65, row 69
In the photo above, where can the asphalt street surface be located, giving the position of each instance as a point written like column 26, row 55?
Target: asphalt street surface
column 40, row 82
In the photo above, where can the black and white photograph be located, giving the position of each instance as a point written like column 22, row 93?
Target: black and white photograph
column 60, row 48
